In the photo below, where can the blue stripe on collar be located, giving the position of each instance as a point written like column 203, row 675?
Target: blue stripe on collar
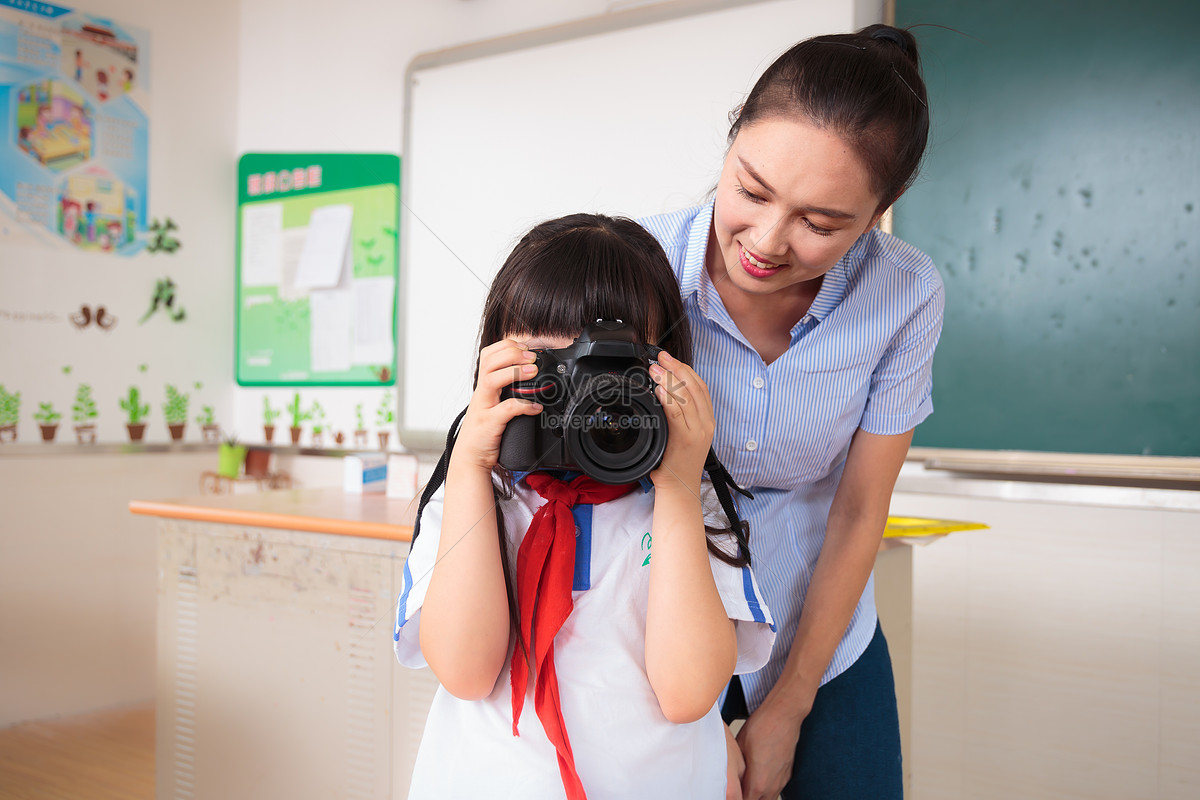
column 583, row 540
column 752, row 598
column 583, row 547
column 582, row 513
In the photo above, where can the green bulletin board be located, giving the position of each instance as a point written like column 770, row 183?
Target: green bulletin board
column 317, row 254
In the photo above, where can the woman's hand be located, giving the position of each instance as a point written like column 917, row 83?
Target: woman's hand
column 500, row 364
column 768, row 744
column 684, row 397
column 735, row 767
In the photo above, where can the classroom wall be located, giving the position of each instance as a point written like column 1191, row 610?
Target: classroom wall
column 77, row 576
column 47, row 349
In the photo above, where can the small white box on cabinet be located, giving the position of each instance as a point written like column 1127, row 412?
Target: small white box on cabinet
column 366, row 473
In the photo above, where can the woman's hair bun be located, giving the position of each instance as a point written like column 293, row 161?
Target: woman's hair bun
column 891, row 35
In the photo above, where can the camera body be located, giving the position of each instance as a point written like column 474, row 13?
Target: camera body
column 599, row 412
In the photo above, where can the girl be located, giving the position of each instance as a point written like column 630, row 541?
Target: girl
column 816, row 332
column 621, row 656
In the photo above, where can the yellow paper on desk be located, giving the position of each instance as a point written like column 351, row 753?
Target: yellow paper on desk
column 900, row 527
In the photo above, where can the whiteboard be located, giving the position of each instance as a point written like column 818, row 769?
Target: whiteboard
column 623, row 114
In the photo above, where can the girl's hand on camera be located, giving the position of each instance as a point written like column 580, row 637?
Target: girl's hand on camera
column 684, row 397
column 500, row 364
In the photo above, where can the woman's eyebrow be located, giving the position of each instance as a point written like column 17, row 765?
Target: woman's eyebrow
column 754, row 174
column 831, row 213
column 824, row 212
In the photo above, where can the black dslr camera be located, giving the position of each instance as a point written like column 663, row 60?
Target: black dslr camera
column 599, row 413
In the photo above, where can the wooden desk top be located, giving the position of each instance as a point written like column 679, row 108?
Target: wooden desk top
column 377, row 516
column 374, row 516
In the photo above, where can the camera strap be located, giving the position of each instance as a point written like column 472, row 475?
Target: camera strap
column 439, row 473
column 722, row 481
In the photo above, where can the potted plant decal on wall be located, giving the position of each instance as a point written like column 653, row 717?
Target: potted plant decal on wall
column 269, row 417
column 10, row 413
column 385, row 418
column 299, row 415
column 47, row 419
column 230, row 456
column 317, row 415
column 136, row 411
column 360, row 427
column 208, row 425
column 83, row 412
column 176, row 412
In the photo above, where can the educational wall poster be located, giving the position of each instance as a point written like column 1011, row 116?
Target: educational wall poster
column 74, row 92
column 317, row 267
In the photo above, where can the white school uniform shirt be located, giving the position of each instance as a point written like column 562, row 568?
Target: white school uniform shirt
column 624, row 748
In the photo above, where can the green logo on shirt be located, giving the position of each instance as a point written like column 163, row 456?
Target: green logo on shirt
column 646, row 539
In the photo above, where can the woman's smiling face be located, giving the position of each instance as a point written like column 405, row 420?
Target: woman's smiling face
column 791, row 201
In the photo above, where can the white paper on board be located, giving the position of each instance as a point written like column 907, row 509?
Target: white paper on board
column 331, row 323
column 262, row 245
column 374, row 302
column 293, row 246
column 326, row 255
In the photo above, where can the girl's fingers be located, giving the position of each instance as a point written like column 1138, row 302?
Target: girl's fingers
column 682, row 387
column 672, row 407
column 503, row 363
column 502, row 345
column 514, row 407
column 504, row 353
column 698, row 389
column 669, row 390
column 505, row 376
column 684, row 398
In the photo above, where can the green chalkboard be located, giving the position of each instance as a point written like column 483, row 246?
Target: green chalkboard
column 1060, row 199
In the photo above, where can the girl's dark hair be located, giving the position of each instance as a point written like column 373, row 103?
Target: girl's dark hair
column 568, row 272
column 866, row 87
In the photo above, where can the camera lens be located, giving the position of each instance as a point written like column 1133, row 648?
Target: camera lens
column 616, row 430
column 612, row 429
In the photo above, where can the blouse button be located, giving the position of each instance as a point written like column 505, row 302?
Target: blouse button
column 751, row 445
column 758, row 383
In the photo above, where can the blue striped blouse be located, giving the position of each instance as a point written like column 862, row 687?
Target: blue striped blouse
column 860, row 358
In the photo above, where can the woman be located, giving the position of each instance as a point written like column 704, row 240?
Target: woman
column 815, row 333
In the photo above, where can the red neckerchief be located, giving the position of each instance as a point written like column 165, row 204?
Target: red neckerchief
column 545, row 574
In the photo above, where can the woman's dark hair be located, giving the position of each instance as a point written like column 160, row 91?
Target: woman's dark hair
column 866, row 87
